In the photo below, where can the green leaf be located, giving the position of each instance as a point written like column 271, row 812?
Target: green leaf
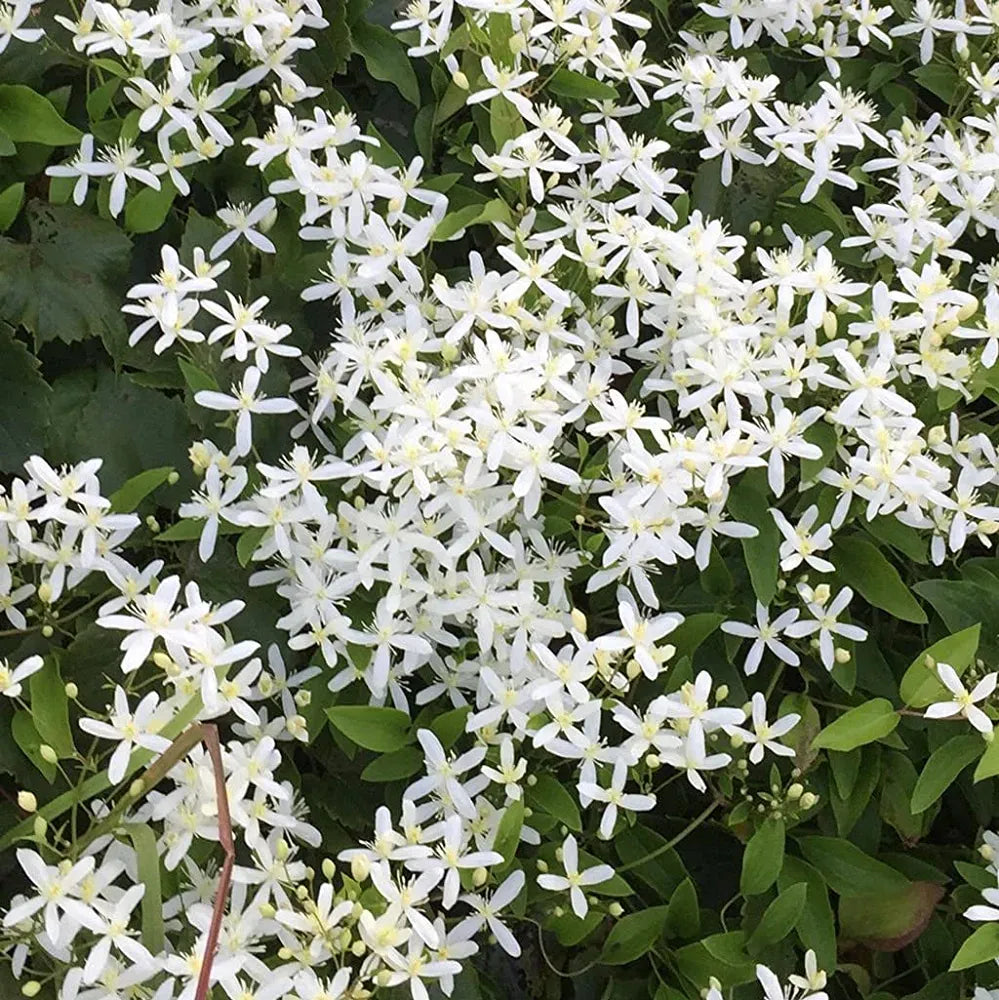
column 982, row 946
column 988, row 766
column 470, row 215
column 720, row 955
column 824, row 437
column 127, row 497
column 24, row 403
column 137, row 428
column 570, row 930
column 27, row 116
column 508, row 832
column 65, row 283
column 247, row 544
column 888, row 921
column 633, row 935
column 920, row 685
column 748, row 505
column 865, row 569
column 763, row 858
column 569, row 83
column 50, row 708
column 550, row 796
column 146, row 211
column 943, row 767
column 386, row 58
column 847, row 869
column 394, row 766
column 25, row 735
column 863, row 724
column 147, row 862
column 815, row 926
column 779, row 917
column 683, row 915
column 505, row 122
column 373, row 727
column 961, row 603
column 448, row 726
column 11, row 200
column 196, row 379
column 687, row 637
column 938, row 79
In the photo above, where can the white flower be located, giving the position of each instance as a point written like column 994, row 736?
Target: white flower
column 764, row 735
column 10, row 680
column 765, row 635
column 964, row 701
column 615, row 797
column 242, row 221
column 575, row 880
column 129, row 729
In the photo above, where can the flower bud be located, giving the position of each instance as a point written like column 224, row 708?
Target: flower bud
column 829, row 324
column 460, row 80
column 39, row 827
column 360, row 868
column 578, row 620
column 542, row 865
column 808, row 800
column 31, row 988
column 27, row 801
column 795, row 791
column 479, row 877
column 822, row 593
column 986, row 852
column 968, row 309
column 266, row 224
column 842, row 655
column 303, row 698
column 72, row 691
column 48, row 754
column 329, row 868
column 615, row 909
column 137, row 788
column 633, row 669
column 173, row 478
column 384, row 977
column 358, row 948
column 267, row 911
column 754, row 227
column 265, row 97
column 721, row 692
column 558, row 911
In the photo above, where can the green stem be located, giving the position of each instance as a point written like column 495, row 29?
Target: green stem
column 673, row 841
column 99, row 782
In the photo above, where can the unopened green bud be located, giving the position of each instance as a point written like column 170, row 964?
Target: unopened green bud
column 48, row 631
column 479, row 877
column 39, row 827
column 31, row 988
column 358, row 948
column 27, row 801
column 329, row 868
column 808, row 800
column 795, row 791
column 72, row 691
column 615, row 909
column 842, row 655
column 173, row 478
column 48, row 754
column 137, row 788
